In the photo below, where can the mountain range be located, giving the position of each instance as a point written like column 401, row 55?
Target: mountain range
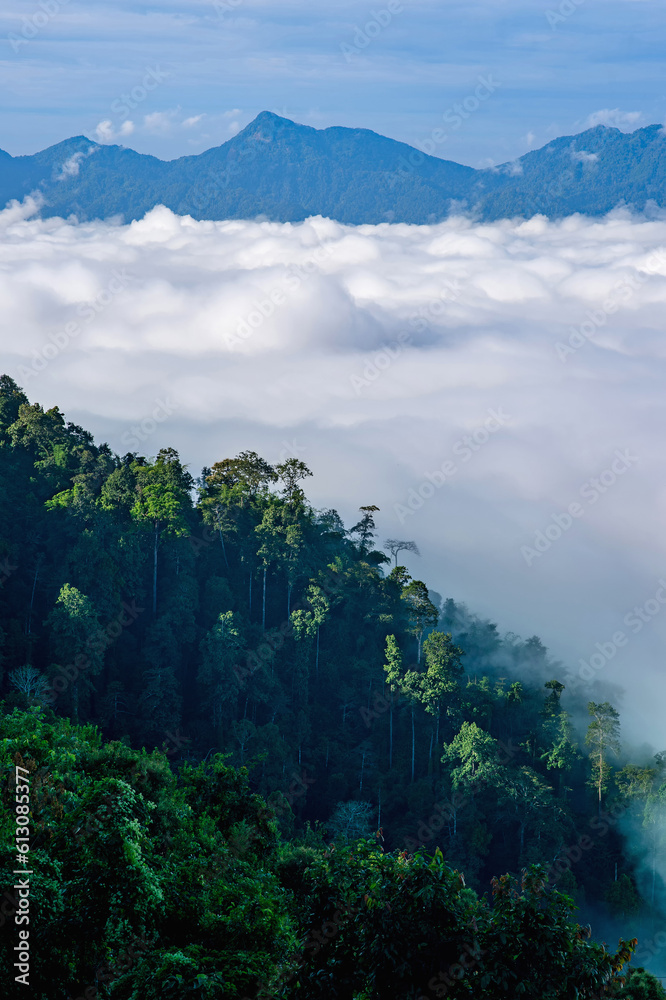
column 280, row 170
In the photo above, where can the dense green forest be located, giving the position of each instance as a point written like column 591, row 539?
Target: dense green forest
column 266, row 761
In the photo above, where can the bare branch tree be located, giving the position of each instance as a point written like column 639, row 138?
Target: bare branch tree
column 29, row 680
column 351, row 820
column 395, row 545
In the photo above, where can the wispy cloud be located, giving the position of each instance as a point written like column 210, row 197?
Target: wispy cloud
column 72, row 166
column 160, row 122
column 581, row 156
column 626, row 121
column 106, row 131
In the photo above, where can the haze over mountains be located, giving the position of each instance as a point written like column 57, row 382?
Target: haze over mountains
column 286, row 172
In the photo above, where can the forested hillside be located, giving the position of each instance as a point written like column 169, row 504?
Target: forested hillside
column 224, row 615
column 286, row 172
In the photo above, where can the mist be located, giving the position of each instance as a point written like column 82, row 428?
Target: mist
column 497, row 390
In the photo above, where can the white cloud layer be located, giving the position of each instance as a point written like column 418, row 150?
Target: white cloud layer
column 474, row 381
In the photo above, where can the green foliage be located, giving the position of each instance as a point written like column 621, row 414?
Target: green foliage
column 421, row 612
column 277, row 643
column 534, row 950
column 397, row 926
column 603, row 738
column 641, row 985
column 124, row 853
column 476, row 756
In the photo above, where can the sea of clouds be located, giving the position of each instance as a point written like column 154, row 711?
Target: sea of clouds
column 497, row 390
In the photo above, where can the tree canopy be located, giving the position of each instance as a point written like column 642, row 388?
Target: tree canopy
column 218, row 688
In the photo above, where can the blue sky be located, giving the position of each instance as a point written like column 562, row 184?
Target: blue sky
column 558, row 66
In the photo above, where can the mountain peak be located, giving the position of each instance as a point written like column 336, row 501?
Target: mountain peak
column 78, row 143
column 270, row 116
column 267, row 126
column 269, row 121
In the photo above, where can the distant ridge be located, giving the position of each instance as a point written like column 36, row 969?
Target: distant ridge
column 283, row 171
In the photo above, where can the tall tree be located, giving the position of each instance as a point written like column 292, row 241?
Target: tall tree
column 247, row 470
column 291, row 473
column 654, row 818
column 551, row 705
column 11, row 399
column 410, row 687
column 393, row 672
column 421, row 611
column 229, row 494
column 163, row 501
column 219, row 650
column 562, row 752
column 529, row 801
column 365, row 529
column 160, row 700
column 282, row 538
column 74, row 624
column 308, row 623
column 603, row 739
column 476, row 759
column 443, row 671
